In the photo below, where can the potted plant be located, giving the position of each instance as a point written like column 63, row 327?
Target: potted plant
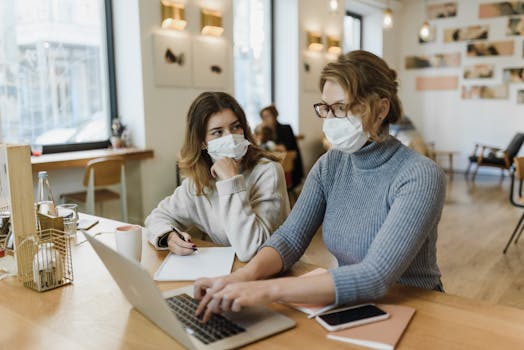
column 117, row 133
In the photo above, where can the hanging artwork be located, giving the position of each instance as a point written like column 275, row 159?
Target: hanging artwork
column 520, row 97
column 479, row 71
column 498, row 9
column 443, row 10
column 493, row 48
column 437, row 83
column 172, row 59
column 209, row 68
column 312, row 66
column 485, row 92
column 466, row 33
column 513, row 75
column 434, row 61
column 430, row 38
column 515, row 26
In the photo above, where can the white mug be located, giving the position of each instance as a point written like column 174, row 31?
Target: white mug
column 129, row 241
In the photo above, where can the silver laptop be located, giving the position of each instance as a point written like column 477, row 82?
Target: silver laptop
column 173, row 311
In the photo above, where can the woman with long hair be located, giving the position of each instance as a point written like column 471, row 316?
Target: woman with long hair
column 233, row 191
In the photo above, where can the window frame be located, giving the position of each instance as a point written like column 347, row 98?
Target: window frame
column 112, row 92
column 361, row 20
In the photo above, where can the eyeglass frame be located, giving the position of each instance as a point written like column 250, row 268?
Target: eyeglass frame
column 330, row 108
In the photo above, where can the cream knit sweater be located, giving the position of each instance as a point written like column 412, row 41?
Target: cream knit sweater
column 241, row 212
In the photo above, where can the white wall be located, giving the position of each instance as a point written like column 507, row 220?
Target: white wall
column 313, row 16
column 442, row 116
column 160, row 121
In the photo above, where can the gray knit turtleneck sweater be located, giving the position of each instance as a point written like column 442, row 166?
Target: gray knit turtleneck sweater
column 379, row 209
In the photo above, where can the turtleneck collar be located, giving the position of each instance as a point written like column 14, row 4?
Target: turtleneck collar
column 375, row 154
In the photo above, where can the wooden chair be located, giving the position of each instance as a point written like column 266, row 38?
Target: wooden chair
column 102, row 172
column 484, row 155
column 287, row 160
column 518, row 173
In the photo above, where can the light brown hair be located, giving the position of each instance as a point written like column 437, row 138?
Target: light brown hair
column 366, row 79
column 195, row 162
column 271, row 109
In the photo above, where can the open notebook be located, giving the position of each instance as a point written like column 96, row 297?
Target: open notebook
column 205, row 262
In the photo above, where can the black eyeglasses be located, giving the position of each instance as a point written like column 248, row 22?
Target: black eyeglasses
column 339, row 110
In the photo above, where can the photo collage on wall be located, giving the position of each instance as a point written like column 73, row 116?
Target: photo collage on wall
column 478, row 42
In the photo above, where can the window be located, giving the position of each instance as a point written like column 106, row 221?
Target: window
column 54, row 81
column 352, row 31
column 252, row 50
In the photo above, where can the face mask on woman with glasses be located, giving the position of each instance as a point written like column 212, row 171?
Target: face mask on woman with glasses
column 344, row 131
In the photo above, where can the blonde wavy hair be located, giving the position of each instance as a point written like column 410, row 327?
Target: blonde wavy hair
column 366, row 79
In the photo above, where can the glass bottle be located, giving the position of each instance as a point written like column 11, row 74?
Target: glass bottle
column 44, row 200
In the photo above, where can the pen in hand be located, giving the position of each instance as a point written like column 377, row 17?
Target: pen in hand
column 181, row 236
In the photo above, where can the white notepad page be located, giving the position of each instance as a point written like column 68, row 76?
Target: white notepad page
column 205, row 262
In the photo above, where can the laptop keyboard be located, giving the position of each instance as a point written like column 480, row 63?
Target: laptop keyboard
column 217, row 328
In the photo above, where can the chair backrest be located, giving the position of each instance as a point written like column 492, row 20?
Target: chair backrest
column 514, row 146
column 107, row 171
column 288, row 161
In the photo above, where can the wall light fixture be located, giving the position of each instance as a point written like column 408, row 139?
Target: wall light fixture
column 211, row 22
column 314, row 41
column 173, row 15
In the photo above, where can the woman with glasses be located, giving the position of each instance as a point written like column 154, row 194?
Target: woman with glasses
column 379, row 204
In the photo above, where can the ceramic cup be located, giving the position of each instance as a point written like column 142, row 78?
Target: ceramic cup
column 129, row 241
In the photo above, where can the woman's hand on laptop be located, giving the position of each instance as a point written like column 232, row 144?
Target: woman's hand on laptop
column 180, row 243
column 233, row 296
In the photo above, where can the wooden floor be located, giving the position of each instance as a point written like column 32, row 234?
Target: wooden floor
column 475, row 226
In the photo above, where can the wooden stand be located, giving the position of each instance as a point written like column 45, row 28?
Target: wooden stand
column 43, row 256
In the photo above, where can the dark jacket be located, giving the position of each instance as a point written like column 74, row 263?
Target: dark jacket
column 285, row 136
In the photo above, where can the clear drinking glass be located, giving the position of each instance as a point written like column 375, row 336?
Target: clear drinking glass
column 69, row 212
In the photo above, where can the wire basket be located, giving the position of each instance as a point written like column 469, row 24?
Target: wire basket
column 45, row 260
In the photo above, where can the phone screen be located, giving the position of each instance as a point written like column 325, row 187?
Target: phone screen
column 351, row 315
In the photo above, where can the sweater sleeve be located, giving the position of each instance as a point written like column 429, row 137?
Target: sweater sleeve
column 416, row 206
column 251, row 216
column 294, row 236
column 172, row 211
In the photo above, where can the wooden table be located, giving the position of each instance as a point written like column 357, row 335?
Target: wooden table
column 92, row 313
column 79, row 159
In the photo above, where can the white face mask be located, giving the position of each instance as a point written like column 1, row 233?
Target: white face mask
column 230, row 146
column 345, row 134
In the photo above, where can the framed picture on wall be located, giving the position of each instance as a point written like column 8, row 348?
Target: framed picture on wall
column 442, row 10
column 434, row 61
column 515, row 26
column 501, row 8
column 210, row 62
column 172, row 59
column 487, row 92
column 493, row 48
column 466, row 33
column 513, row 75
column 479, row 71
column 312, row 66
column 520, row 97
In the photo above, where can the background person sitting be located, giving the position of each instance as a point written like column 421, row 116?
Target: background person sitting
column 283, row 135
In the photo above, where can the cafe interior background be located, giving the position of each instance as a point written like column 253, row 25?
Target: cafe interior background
column 56, row 88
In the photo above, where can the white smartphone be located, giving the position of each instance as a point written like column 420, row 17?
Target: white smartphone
column 351, row 316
